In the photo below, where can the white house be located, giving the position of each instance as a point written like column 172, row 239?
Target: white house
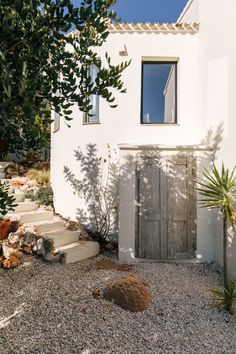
column 179, row 113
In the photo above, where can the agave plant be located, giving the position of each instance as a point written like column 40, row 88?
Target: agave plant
column 226, row 298
column 218, row 189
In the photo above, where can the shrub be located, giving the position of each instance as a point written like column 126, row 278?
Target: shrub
column 7, row 202
column 226, row 298
column 29, row 195
column 44, row 196
column 41, row 176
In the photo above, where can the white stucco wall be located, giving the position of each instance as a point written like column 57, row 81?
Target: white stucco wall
column 217, row 55
column 122, row 125
column 206, row 111
column 218, row 77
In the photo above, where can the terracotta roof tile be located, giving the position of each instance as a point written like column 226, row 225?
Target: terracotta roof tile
column 155, row 27
column 175, row 28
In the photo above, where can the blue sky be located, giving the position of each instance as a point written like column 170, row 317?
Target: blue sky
column 149, row 10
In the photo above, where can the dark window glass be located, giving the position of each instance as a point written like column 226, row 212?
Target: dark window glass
column 93, row 115
column 159, row 93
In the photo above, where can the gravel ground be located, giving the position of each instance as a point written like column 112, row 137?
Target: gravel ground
column 50, row 309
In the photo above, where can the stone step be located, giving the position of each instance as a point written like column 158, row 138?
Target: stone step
column 45, row 226
column 19, row 197
column 80, row 250
column 62, row 237
column 26, row 206
column 32, row 216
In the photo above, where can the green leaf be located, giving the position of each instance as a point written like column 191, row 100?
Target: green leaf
column 40, row 60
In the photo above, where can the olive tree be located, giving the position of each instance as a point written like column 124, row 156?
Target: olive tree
column 45, row 49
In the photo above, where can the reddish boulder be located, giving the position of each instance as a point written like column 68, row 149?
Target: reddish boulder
column 128, row 292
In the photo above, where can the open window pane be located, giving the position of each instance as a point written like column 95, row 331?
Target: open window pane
column 93, row 114
column 159, row 93
column 56, row 123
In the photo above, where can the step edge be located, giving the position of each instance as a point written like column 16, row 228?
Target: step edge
column 78, row 243
column 63, row 231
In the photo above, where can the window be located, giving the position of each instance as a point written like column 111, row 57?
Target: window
column 93, row 115
column 56, row 116
column 56, row 123
column 159, row 92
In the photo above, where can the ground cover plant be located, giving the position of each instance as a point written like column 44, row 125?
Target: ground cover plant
column 41, row 176
column 44, row 195
column 54, row 306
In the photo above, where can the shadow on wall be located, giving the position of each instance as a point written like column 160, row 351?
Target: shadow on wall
column 209, row 221
column 155, row 223
column 232, row 250
column 97, row 184
column 165, row 219
column 214, row 138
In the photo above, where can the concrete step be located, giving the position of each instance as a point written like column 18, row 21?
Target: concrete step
column 62, row 237
column 46, row 226
column 26, row 206
column 80, row 250
column 19, row 197
column 32, row 216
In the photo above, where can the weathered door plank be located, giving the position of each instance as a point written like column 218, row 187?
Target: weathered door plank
column 166, row 226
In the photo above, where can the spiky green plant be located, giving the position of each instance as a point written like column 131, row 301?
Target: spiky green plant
column 218, row 189
column 226, row 298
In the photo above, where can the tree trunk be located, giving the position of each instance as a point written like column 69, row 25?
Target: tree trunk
column 225, row 252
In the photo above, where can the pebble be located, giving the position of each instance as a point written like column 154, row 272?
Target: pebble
column 49, row 308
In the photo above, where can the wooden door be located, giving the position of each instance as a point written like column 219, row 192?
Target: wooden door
column 181, row 208
column 150, row 212
column 166, row 208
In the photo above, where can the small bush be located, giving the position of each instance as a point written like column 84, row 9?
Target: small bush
column 41, row 176
column 44, row 196
column 226, row 298
column 7, row 202
column 29, row 195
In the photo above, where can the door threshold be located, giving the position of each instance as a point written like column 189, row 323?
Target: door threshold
column 187, row 261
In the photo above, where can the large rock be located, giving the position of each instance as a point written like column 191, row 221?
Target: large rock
column 43, row 247
column 23, row 237
column 128, row 292
column 8, row 251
